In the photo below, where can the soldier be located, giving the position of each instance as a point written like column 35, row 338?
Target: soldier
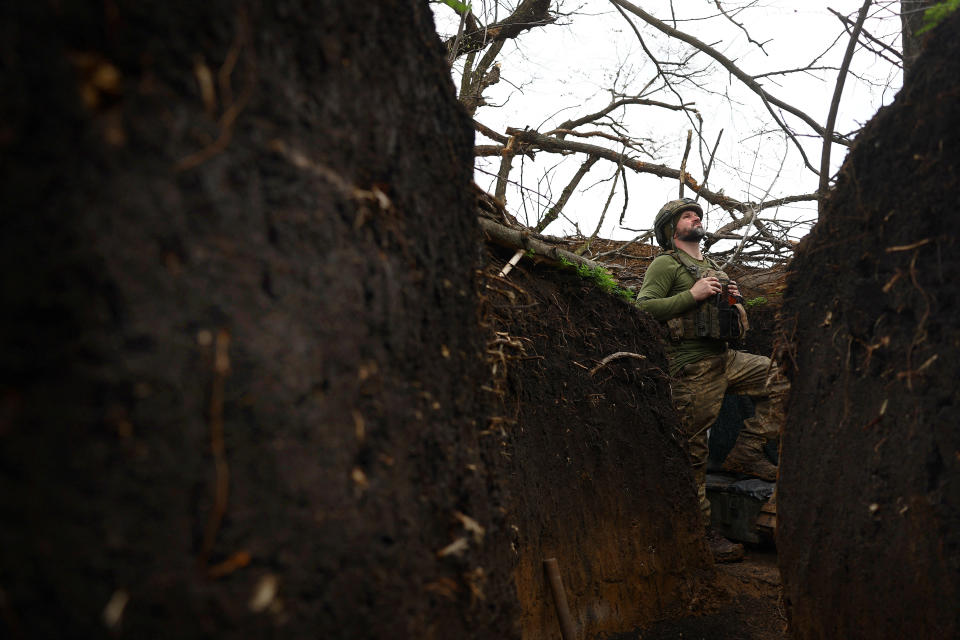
column 701, row 307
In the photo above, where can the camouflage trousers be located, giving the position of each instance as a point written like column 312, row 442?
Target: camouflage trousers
column 698, row 394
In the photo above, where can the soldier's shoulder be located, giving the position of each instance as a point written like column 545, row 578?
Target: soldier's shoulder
column 665, row 257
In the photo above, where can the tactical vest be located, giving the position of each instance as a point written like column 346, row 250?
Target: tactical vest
column 721, row 316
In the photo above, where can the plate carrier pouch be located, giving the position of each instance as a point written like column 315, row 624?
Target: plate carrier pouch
column 721, row 316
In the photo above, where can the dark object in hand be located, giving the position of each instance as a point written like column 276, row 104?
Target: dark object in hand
column 729, row 317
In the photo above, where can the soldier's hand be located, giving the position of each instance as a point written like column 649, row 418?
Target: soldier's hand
column 733, row 289
column 705, row 287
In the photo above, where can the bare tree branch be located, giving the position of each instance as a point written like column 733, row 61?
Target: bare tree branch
column 835, row 103
column 573, row 124
column 643, row 237
column 885, row 51
column 660, row 71
column 503, row 176
column 626, row 194
column 565, row 194
column 490, row 133
column 603, row 214
column 486, row 150
column 755, row 86
column 528, row 14
column 727, row 64
column 474, row 82
column 452, row 55
column 706, row 173
column 742, row 28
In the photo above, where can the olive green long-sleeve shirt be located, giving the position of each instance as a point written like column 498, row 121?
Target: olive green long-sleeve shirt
column 665, row 294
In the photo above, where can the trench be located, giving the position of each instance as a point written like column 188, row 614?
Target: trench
column 260, row 376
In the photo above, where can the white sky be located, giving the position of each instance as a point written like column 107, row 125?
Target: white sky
column 558, row 72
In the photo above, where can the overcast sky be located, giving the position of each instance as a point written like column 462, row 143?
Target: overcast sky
column 561, row 71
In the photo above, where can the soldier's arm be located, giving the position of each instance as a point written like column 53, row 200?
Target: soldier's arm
column 654, row 296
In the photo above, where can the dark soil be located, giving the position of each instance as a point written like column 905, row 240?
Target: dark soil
column 312, row 227
column 869, row 493
column 260, row 378
column 589, row 470
column 247, row 388
column 743, row 601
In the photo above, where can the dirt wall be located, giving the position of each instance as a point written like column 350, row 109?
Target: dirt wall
column 589, row 470
column 244, row 365
column 869, row 492
column 238, row 380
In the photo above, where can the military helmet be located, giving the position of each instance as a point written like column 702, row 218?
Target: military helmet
column 664, row 224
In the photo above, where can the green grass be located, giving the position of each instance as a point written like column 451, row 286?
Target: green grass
column 935, row 14
column 601, row 278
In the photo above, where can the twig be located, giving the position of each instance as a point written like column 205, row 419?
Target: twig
column 742, row 28
column 603, row 214
column 643, row 237
column 565, row 127
column 846, row 22
column 656, row 63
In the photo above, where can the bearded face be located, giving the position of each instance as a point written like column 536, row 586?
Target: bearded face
column 689, row 228
column 692, row 234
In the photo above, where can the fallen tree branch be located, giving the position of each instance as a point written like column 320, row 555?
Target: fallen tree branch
column 555, row 145
column 514, row 239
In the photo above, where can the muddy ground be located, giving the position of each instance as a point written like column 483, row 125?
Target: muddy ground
column 743, row 601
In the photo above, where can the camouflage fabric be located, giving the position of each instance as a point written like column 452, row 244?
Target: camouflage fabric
column 698, row 395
